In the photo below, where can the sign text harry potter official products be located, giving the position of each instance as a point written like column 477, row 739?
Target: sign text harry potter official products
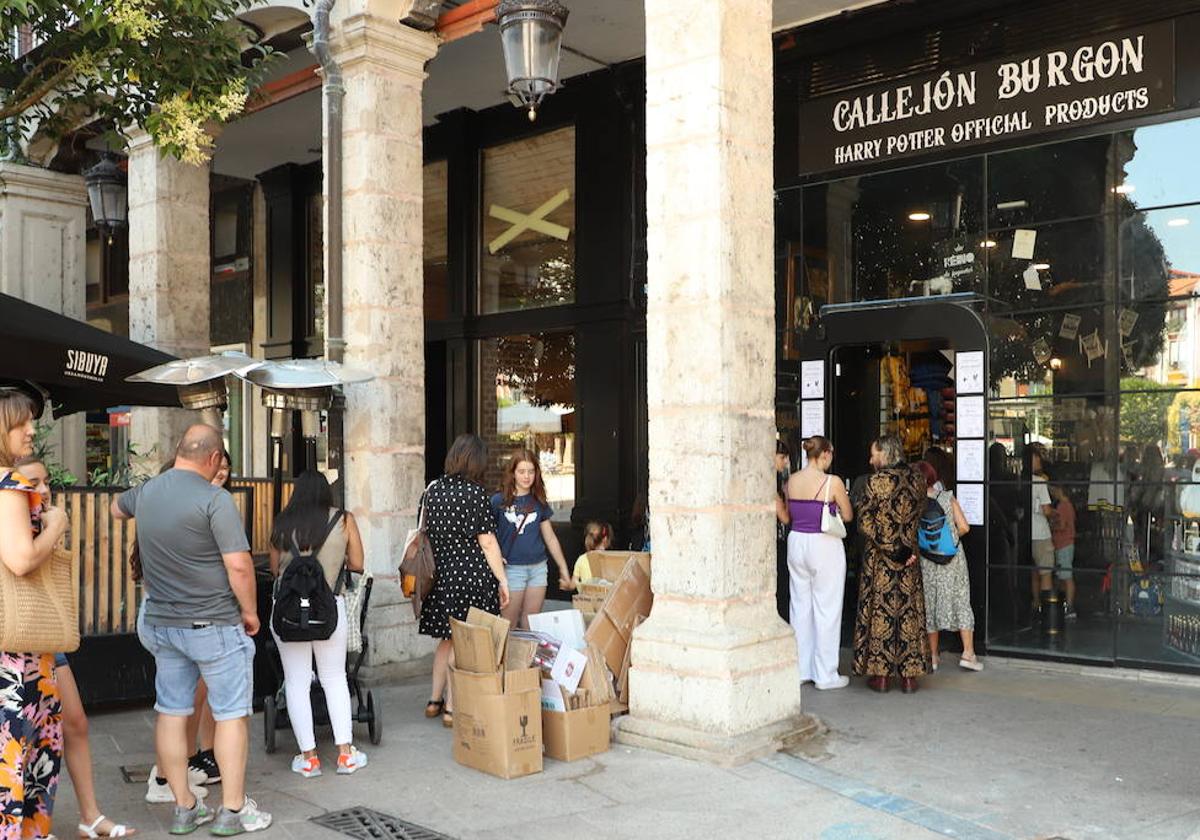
column 1108, row 77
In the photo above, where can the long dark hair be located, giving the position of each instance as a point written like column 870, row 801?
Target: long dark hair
column 306, row 514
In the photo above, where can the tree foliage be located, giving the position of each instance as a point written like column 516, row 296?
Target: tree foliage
column 168, row 66
column 1144, row 412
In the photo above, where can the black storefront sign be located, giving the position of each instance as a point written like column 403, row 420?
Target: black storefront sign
column 1100, row 79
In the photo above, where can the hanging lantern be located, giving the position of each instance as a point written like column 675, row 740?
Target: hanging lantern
column 531, row 37
column 107, row 194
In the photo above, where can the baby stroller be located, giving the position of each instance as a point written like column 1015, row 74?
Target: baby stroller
column 275, row 716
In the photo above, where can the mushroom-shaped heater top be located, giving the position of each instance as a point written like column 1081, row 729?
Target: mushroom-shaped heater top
column 304, row 385
column 201, row 380
column 293, row 374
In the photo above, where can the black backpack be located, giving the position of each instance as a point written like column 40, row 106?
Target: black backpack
column 305, row 609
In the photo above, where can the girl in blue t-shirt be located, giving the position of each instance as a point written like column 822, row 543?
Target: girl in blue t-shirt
column 526, row 537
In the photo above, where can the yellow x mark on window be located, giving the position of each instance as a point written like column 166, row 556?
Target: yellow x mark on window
column 536, row 220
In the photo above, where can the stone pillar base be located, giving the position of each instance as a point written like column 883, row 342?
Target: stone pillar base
column 721, row 750
column 396, row 650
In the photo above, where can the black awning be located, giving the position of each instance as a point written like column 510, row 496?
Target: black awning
column 82, row 368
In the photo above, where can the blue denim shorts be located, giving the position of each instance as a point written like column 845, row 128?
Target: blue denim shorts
column 221, row 653
column 1064, row 562
column 60, row 660
column 526, row 576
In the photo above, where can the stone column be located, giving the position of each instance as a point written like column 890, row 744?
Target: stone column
column 383, row 65
column 714, row 671
column 169, row 278
column 43, row 242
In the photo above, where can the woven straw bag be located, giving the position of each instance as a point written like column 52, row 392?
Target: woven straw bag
column 39, row 612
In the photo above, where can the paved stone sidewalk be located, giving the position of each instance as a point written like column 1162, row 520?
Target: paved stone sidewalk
column 1009, row 753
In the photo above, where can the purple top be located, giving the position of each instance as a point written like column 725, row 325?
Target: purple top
column 806, row 514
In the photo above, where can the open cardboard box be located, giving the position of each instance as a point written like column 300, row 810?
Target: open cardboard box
column 479, row 641
column 498, row 721
column 608, row 565
column 580, row 732
column 631, row 597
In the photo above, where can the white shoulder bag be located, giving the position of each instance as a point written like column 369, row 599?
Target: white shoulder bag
column 831, row 522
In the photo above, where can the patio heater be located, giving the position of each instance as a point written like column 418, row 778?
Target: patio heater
column 307, row 386
column 201, row 381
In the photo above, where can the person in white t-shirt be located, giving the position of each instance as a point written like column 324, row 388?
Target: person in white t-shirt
column 1041, row 508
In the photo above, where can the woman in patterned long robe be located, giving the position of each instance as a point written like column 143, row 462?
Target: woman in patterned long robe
column 889, row 628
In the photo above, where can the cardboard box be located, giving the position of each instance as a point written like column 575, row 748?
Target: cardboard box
column 518, row 654
column 631, row 597
column 498, row 721
column 577, row 734
column 608, row 565
column 479, row 641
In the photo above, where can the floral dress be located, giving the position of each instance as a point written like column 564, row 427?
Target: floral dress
column 948, row 587
column 31, row 740
column 457, row 511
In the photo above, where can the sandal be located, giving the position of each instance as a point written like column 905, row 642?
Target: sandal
column 90, row 832
column 448, row 720
column 434, row 708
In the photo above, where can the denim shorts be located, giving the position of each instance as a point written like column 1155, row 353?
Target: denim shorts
column 221, row 653
column 1064, row 562
column 526, row 576
column 60, row 660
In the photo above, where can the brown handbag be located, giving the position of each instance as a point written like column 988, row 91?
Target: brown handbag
column 39, row 612
column 417, row 567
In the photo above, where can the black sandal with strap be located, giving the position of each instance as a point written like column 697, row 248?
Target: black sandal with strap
column 434, row 708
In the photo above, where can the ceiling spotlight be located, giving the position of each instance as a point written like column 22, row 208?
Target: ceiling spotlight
column 988, row 243
column 1042, row 266
column 1124, row 189
column 1180, row 222
column 918, row 216
column 1056, row 363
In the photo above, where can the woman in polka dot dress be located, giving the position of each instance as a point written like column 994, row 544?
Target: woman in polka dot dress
column 470, row 570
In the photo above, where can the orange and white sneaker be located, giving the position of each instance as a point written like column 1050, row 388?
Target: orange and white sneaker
column 351, row 762
column 308, row 767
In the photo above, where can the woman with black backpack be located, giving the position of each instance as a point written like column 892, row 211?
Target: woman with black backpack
column 310, row 545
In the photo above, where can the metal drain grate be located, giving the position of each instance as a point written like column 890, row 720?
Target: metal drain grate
column 367, row 824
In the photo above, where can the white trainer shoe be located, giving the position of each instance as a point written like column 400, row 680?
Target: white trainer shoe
column 840, row 682
column 160, row 794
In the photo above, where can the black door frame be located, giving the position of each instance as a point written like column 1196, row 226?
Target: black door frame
column 952, row 318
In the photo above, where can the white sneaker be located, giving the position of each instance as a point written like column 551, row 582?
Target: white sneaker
column 352, row 762
column 161, row 794
column 309, row 768
column 840, row 682
column 970, row 664
column 249, row 818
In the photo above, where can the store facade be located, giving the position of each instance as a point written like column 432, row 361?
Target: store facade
column 988, row 241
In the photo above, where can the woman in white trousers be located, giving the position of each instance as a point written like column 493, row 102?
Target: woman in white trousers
column 311, row 523
column 817, row 565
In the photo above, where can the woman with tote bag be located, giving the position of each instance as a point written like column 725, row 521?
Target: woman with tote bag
column 37, row 619
column 819, row 508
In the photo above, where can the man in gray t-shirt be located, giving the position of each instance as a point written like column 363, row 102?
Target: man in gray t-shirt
column 185, row 525
column 198, row 616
